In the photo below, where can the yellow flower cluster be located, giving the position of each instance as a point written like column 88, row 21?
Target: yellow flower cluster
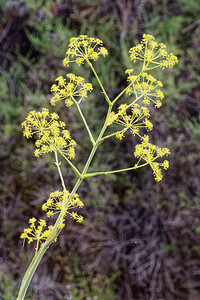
column 51, row 133
column 138, row 118
column 151, row 52
column 84, row 48
column 76, row 87
column 56, row 204
column 147, row 87
column 150, row 153
column 36, row 232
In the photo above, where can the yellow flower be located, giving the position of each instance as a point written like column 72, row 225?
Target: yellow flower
column 135, row 120
column 77, row 217
column 148, row 124
column 119, row 135
column 158, row 104
column 76, row 89
column 152, row 54
column 147, row 38
column 165, row 164
column 135, row 131
column 84, row 48
column 61, row 225
column 36, row 233
column 57, row 203
column 150, row 153
column 169, row 62
column 146, row 86
column 111, row 118
column 51, row 133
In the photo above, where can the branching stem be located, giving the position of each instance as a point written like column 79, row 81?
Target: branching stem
column 57, row 163
column 99, row 81
column 115, row 171
column 56, row 229
column 85, row 122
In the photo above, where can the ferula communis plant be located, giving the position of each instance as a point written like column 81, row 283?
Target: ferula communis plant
column 52, row 136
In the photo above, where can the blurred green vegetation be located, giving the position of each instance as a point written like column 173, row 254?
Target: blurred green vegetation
column 96, row 259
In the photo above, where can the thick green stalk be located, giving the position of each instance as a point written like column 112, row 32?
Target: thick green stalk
column 97, row 143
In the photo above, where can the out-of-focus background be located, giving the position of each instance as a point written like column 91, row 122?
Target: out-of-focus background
column 99, row 259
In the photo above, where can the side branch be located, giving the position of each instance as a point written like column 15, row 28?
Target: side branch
column 76, row 171
column 122, row 93
column 144, row 68
column 84, row 121
column 111, row 135
column 59, row 171
column 115, row 171
column 99, row 81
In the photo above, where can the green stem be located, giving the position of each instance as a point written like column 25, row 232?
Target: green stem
column 97, row 143
column 59, row 170
column 76, row 171
column 84, row 121
column 36, row 260
column 144, row 68
column 115, row 171
column 122, row 93
column 99, row 81
column 105, row 124
column 100, row 140
column 111, row 135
